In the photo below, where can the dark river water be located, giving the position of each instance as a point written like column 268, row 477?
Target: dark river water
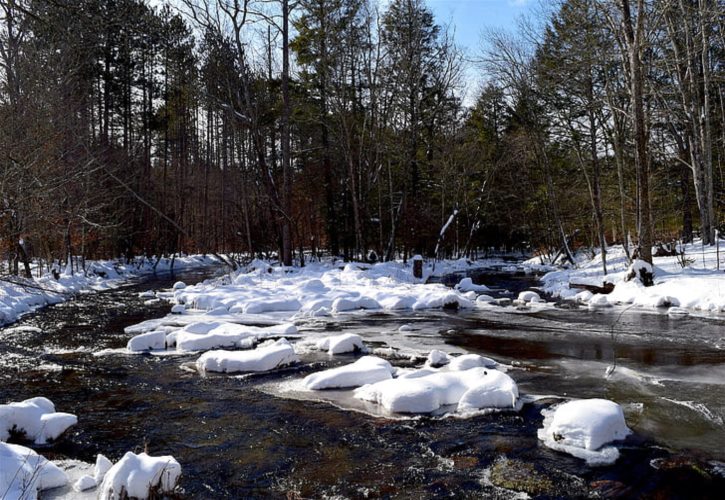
column 235, row 437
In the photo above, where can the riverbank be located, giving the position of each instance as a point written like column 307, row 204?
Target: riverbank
column 20, row 295
column 690, row 282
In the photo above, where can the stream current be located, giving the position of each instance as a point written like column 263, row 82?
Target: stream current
column 242, row 437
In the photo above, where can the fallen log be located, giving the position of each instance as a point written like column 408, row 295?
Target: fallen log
column 605, row 289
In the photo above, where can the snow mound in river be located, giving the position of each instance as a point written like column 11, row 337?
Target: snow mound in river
column 263, row 358
column 140, row 476
column 582, row 428
column 366, row 370
column 36, row 418
column 426, row 391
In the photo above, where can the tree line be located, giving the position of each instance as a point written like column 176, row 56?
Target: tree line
column 293, row 129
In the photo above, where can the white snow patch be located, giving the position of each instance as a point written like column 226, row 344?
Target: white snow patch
column 36, row 417
column 140, row 476
column 366, row 370
column 263, row 358
column 582, row 428
column 23, row 473
column 340, row 344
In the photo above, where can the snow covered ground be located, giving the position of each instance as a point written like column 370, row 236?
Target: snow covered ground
column 698, row 286
column 20, row 295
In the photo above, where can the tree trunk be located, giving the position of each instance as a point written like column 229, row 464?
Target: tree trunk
column 286, row 163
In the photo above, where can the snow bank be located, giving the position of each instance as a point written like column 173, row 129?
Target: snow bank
column 477, row 388
column 582, row 428
column 36, row 418
column 23, row 473
column 366, row 370
column 263, row 358
column 22, row 295
column 698, row 286
column 340, row 344
column 140, row 476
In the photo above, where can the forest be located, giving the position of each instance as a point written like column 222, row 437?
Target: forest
column 293, row 129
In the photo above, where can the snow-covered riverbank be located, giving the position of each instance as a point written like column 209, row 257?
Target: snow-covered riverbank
column 20, row 295
column 685, row 283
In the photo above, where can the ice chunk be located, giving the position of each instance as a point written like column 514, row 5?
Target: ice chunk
column 366, row 370
column 103, row 465
column 582, row 428
column 35, row 417
column 147, row 341
column 263, row 358
column 23, row 473
column 339, row 344
column 140, row 476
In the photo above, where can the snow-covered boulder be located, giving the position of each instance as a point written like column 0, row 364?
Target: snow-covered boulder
column 427, row 393
column 484, row 299
column 340, row 344
column 468, row 361
column 366, row 370
column 140, row 476
column 642, row 271
column 342, row 304
column 36, row 418
column 179, row 285
column 495, row 390
column 147, row 341
column 599, row 301
column 583, row 427
column 467, row 285
column 263, row 358
column 23, row 473
column 437, row 359
column 178, row 309
column 529, row 296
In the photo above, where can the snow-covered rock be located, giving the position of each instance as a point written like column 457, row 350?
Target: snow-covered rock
column 140, row 476
column 437, row 359
column 340, row 344
column 529, row 296
column 427, row 393
column 582, row 428
column 179, row 285
column 468, row 361
column 147, row 341
column 23, row 473
column 366, row 370
column 103, row 465
column 263, row 358
column 467, row 285
column 484, row 299
column 36, row 418
column 84, row 483
column 178, row 309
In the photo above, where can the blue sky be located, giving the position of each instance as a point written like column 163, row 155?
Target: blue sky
column 470, row 17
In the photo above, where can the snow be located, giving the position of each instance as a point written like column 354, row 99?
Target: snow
column 429, row 390
column 140, row 476
column 84, row 483
column 468, row 361
column 19, row 295
column 340, row 344
column 23, row 473
column 36, row 418
column 697, row 286
column 263, row 358
column 366, row 370
column 147, row 341
column 437, row 358
column 529, row 296
column 467, row 285
column 484, row 299
column 582, row 428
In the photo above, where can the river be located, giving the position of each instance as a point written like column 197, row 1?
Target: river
column 239, row 437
